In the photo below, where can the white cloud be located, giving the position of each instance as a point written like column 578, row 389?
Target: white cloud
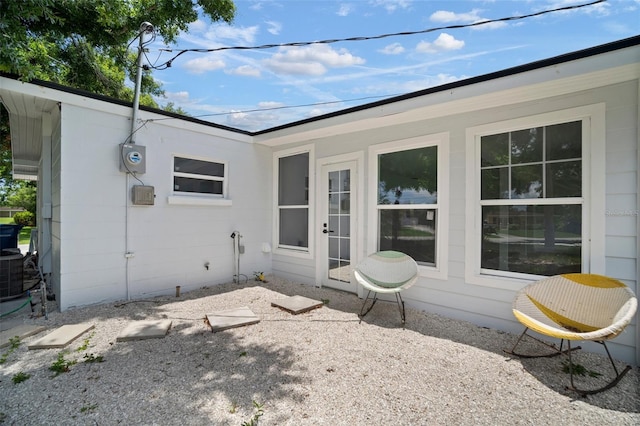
column 253, row 121
column 392, row 5
column 473, row 17
column 431, row 81
column 447, row 17
column 310, row 60
column 245, row 71
column 344, row 10
column 270, row 104
column 178, row 97
column 202, row 65
column 274, row 27
column 198, row 26
column 209, row 35
column 489, row 25
column 392, row 49
column 596, row 9
column 444, row 42
column 236, row 34
column 296, row 68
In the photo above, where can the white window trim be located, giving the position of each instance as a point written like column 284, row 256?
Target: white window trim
column 196, row 199
column 441, row 140
column 304, row 253
column 593, row 194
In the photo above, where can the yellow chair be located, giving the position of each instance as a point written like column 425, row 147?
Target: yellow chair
column 386, row 272
column 576, row 307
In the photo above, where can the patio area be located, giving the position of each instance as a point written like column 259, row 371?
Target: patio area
column 320, row 367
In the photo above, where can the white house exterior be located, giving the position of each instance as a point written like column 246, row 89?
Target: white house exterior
column 526, row 172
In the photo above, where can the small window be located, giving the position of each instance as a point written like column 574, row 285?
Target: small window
column 193, row 176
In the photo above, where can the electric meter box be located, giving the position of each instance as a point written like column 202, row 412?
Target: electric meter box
column 133, row 158
column 142, row 195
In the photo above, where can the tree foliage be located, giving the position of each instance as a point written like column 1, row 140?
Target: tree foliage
column 411, row 170
column 86, row 43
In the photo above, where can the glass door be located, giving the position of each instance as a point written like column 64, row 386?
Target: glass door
column 338, row 225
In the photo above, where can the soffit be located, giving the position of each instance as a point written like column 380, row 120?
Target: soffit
column 25, row 121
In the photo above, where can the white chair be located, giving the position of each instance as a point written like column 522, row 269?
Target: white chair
column 386, row 272
column 576, row 307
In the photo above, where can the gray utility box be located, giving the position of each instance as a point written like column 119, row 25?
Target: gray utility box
column 142, row 195
column 133, row 158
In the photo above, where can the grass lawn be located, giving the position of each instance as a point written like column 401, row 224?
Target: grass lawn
column 25, row 232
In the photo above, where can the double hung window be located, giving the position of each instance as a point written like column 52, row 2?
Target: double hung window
column 410, row 212
column 531, row 200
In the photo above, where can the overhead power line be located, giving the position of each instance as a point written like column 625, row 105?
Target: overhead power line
column 168, row 63
column 246, row 111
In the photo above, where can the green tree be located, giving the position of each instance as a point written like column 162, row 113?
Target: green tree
column 25, row 197
column 170, row 107
column 86, row 43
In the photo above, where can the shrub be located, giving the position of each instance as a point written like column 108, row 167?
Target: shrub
column 24, row 218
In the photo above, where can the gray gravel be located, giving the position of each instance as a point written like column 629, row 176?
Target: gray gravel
column 323, row 367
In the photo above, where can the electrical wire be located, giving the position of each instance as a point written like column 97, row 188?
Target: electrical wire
column 168, row 63
column 281, row 107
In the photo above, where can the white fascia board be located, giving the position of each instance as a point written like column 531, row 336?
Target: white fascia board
column 533, row 85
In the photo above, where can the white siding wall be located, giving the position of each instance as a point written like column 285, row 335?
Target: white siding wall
column 170, row 243
column 489, row 306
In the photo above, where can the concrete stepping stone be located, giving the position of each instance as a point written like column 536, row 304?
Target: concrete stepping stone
column 61, row 337
column 231, row 318
column 22, row 331
column 140, row 330
column 297, row 304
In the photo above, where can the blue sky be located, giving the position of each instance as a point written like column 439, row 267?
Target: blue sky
column 223, row 86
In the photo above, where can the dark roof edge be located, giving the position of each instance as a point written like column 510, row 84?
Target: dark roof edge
column 108, row 99
column 567, row 57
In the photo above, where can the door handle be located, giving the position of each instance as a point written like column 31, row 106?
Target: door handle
column 326, row 231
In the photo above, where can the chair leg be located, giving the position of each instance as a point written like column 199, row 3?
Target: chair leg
column 375, row 298
column 403, row 315
column 556, row 351
column 559, row 351
column 612, row 383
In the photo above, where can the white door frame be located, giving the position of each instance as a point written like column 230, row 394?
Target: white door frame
column 357, row 203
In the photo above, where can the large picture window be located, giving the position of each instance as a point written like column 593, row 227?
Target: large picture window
column 407, row 202
column 531, row 200
column 293, row 201
column 194, row 176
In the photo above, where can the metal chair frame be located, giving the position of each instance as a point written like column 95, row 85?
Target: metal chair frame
column 559, row 351
column 399, row 301
column 386, row 272
column 587, row 307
